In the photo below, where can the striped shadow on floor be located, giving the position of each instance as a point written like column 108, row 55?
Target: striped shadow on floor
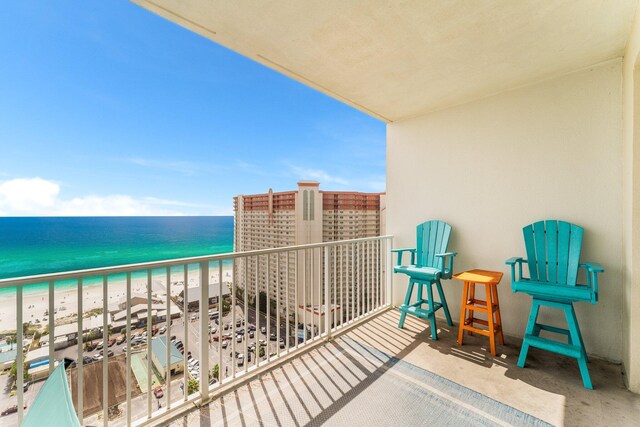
column 399, row 393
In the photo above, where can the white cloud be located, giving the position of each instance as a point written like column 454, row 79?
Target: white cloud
column 41, row 197
column 24, row 195
column 319, row 174
column 183, row 167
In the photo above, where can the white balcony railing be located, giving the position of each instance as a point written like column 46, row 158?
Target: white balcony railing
column 317, row 289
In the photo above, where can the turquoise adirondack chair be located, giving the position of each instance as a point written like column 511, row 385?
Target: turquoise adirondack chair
column 428, row 266
column 553, row 257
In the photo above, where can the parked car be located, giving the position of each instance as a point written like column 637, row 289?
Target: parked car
column 111, row 342
column 163, row 330
column 252, row 334
column 226, row 326
column 193, row 363
column 157, row 392
column 225, row 344
column 252, row 327
column 26, row 385
column 100, row 345
column 282, row 343
column 238, row 338
column 87, row 359
column 121, row 339
column 97, row 357
column 240, row 331
column 182, row 350
column 124, row 349
column 240, row 359
column 273, row 337
column 173, row 338
column 12, row 409
column 179, row 344
column 215, row 338
column 238, row 323
column 263, row 330
column 110, row 353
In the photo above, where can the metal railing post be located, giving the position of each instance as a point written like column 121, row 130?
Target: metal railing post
column 327, row 297
column 204, row 347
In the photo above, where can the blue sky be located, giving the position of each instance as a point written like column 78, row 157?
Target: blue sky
column 108, row 109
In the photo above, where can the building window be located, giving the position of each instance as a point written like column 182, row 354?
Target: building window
column 312, row 209
column 305, row 208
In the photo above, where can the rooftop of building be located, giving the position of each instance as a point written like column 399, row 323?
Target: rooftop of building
column 159, row 348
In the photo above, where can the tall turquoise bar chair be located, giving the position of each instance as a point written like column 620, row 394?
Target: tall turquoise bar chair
column 553, row 260
column 428, row 267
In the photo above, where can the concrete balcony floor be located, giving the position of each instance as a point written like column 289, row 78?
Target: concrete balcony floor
column 336, row 383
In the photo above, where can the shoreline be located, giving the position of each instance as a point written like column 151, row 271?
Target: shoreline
column 35, row 301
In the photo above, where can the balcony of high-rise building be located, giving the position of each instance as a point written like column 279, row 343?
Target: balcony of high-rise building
column 499, row 114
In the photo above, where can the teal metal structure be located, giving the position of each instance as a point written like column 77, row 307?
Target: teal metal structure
column 553, row 260
column 53, row 405
column 428, row 267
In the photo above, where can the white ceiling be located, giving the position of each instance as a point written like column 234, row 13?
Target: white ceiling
column 399, row 59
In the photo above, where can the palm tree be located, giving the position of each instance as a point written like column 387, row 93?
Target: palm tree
column 12, row 339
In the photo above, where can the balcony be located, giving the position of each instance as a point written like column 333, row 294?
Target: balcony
column 353, row 363
column 244, row 324
column 377, row 374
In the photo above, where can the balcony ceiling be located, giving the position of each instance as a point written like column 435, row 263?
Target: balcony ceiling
column 396, row 60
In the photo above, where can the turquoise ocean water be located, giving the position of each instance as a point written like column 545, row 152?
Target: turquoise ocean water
column 30, row 246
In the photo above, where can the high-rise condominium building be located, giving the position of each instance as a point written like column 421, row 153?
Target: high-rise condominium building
column 305, row 215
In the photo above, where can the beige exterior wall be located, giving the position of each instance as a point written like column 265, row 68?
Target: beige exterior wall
column 631, row 212
column 492, row 166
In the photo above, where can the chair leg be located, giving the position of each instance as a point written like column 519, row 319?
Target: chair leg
column 432, row 315
column 407, row 300
column 443, row 301
column 574, row 332
column 531, row 325
column 584, row 349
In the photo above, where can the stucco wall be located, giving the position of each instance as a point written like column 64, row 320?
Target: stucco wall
column 489, row 167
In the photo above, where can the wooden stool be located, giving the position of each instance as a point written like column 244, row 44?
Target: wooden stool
column 490, row 306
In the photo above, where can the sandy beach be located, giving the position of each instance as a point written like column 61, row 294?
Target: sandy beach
column 36, row 304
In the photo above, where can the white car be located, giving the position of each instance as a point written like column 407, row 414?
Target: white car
column 162, row 330
column 194, row 363
column 240, row 359
column 225, row 344
column 239, row 338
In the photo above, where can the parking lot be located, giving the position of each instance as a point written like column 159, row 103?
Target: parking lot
column 235, row 336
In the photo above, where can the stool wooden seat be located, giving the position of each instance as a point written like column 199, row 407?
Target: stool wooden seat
column 490, row 306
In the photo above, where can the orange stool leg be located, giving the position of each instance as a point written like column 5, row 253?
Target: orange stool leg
column 463, row 312
column 472, row 296
column 494, row 288
column 492, row 331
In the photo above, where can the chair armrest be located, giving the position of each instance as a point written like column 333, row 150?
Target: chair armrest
column 593, row 268
column 402, row 251
column 451, row 254
column 445, row 256
column 512, row 262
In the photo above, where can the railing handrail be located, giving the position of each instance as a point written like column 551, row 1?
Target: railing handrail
column 128, row 268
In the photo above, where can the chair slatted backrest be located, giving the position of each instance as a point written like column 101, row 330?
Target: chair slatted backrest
column 553, row 251
column 432, row 238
